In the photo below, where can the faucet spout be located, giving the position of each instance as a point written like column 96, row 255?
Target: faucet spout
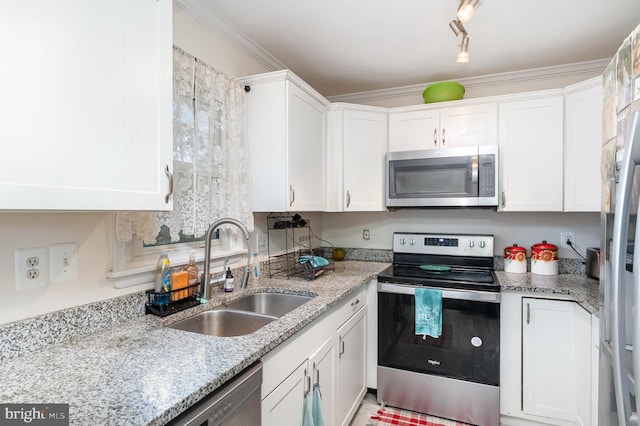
column 207, row 253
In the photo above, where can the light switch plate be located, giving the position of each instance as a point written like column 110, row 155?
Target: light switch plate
column 31, row 268
column 63, row 260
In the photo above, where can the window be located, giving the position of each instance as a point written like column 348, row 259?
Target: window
column 211, row 176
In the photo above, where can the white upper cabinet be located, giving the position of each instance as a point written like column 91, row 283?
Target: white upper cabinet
column 531, row 152
column 286, row 141
column 86, row 105
column 431, row 128
column 582, row 146
column 355, row 158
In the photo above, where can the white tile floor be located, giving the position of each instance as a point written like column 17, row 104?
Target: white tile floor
column 368, row 407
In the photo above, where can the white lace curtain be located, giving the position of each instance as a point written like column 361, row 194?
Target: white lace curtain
column 210, row 156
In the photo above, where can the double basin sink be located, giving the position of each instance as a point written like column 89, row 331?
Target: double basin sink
column 242, row 316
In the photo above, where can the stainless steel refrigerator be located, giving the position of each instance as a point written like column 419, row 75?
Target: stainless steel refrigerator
column 619, row 375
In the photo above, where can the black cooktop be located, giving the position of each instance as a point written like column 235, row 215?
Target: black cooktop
column 456, row 278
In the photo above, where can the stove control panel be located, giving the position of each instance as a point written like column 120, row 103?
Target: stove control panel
column 444, row 244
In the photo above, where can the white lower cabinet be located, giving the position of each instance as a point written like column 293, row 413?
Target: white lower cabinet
column 322, row 365
column 286, row 400
column 546, row 362
column 337, row 365
column 351, row 377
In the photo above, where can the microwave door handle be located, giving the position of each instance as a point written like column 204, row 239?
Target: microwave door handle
column 474, row 176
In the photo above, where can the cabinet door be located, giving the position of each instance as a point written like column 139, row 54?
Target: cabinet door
column 86, row 105
column 582, row 146
column 284, row 406
column 351, row 382
column 414, row 130
column 322, row 365
column 549, row 358
column 531, row 139
column 305, row 151
column 469, row 125
column 364, row 152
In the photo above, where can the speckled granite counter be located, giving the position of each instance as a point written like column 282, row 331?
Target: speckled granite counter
column 142, row 373
column 579, row 287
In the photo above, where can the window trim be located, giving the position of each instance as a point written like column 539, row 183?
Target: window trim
column 132, row 265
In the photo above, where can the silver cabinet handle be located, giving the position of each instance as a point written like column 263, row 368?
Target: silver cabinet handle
column 170, row 176
column 348, row 199
column 504, row 199
column 355, row 302
column 292, row 195
column 315, row 368
column 307, row 382
column 435, row 137
column 341, row 352
column 528, row 313
column 443, row 131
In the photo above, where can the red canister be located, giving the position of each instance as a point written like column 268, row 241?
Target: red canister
column 544, row 259
column 515, row 259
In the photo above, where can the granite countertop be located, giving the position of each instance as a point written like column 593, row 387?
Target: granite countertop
column 139, row 372
column 143, row 373
column 578, row 287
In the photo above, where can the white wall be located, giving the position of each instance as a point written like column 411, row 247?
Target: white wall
column 526, row 229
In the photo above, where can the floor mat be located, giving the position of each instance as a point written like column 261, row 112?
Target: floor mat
column 394, row 416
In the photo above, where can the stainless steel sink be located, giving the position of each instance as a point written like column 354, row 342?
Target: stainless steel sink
column 224, row 322
column 276, row 304
column 242, row 316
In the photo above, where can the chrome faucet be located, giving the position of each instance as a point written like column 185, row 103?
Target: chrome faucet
column 206, row 279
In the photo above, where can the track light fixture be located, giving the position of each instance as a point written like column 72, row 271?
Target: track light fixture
column 463, row 50
column 466, row 9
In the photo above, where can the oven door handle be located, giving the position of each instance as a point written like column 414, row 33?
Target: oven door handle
column 471, row 295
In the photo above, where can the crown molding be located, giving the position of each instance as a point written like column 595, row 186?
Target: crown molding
column 544, row 73
column 203, row 13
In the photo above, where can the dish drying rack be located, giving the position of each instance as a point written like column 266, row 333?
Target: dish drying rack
column 293, row 234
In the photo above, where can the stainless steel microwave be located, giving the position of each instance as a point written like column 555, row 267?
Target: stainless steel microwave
column 447, row 177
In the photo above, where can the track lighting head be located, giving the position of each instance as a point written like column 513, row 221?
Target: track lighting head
column 457, row 28
column 466, row 9
column 463, row 50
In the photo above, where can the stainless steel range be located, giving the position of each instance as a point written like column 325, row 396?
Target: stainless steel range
column 456, row 375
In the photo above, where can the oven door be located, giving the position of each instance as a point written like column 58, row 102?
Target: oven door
column 468, row 349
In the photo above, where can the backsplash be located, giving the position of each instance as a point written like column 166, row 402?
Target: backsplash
column 565, row 266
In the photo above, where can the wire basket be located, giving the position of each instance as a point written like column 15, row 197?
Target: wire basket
column 287, row 265
column 169, row 302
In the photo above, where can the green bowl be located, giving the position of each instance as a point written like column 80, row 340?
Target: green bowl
column 443, row 91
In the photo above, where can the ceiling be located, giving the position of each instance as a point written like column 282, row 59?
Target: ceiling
column 349, row 46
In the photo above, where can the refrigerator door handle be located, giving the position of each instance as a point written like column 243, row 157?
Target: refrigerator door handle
column 621, row 382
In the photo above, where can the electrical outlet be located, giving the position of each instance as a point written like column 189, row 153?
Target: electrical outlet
column 366, row 234
column 567, row 236
column 31, row 268
column 63, row 259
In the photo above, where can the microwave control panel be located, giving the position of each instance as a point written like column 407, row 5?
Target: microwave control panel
column 487, row 175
